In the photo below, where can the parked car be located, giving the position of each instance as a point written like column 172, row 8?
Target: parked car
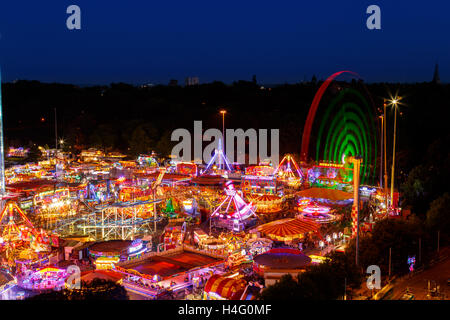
column 408, row 296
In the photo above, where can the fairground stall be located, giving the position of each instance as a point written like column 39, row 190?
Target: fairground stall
column 259, row 180
column 330, row 175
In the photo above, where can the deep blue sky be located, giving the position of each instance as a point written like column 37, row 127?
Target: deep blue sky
column 152, row 41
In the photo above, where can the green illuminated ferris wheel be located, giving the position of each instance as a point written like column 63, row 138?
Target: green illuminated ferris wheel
column 346, row 128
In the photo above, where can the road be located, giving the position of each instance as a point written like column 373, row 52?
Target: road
column 418, row 283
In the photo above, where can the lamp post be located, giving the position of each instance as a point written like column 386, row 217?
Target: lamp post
column 385, row 159
column 394, row 104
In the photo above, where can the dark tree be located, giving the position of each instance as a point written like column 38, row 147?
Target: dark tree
column 325, row 281
column 140, row 142
column 438, row 216
column 97, row 289
column 34, row 154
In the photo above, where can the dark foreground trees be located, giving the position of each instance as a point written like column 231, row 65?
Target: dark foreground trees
column 405, row 239
column 326, row 281
column 438, row 217
column 97, row 289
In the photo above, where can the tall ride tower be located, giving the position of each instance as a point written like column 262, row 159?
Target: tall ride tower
column 2, row 146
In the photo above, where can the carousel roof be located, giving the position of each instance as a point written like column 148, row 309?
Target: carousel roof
column 322, row 193
column 283, row 258
column 287, row 229
column 110, row 247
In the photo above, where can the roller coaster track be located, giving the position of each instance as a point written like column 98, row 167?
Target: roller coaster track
column 89, row 220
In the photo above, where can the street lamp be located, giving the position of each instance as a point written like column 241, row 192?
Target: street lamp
column 223, row 122
column 394, row 102
column 385, row 157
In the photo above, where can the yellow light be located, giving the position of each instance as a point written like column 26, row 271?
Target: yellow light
column 318, row 259
column 107, row 260
column 223, row 111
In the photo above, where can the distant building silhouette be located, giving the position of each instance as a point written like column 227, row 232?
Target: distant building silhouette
column 436, row 78
column 191, row 81
column 173, row 83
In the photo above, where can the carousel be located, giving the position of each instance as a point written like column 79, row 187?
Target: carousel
column 267, row 203
column 312, row 211
column 225, row 243
column 259, row 245
column 289, row 229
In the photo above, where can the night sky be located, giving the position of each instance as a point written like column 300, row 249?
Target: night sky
column 278, row 41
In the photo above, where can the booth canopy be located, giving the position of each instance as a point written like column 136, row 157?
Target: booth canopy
column 227, row 288
column 322, row 193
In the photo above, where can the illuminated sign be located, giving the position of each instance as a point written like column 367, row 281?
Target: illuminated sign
column 332, row 165
column 136, row 247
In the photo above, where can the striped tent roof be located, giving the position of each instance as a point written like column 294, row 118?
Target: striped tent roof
column 227, row 288
column 288, row 229
column 322, row 193
column 283, row 258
